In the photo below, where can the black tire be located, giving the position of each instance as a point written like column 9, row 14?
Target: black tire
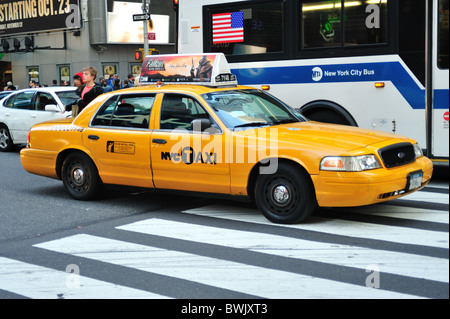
column 287, row 196
column 326, row 116
column 80, row 177
column 6, row 142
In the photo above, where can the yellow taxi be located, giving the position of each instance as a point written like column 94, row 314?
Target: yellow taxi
column 193, row 128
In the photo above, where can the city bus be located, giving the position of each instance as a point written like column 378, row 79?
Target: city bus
column 378, row 64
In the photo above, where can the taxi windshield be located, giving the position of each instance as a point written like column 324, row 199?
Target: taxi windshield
column 250, row 108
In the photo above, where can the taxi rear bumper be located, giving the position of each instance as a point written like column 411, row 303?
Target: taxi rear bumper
column 347, row 189
column 39, row 162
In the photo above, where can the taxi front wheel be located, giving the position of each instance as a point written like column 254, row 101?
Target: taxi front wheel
column 80, row 177
column 287, row 196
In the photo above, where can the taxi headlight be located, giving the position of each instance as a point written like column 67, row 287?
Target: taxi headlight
column 417, row 150
column 349, row 163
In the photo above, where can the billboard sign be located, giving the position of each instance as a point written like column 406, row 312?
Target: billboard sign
column 206, row 69
column 34, row 16
column 124, row 24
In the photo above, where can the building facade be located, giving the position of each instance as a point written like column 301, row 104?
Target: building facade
column 47, row 40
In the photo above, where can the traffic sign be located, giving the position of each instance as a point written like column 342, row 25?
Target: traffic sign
column 141, row 17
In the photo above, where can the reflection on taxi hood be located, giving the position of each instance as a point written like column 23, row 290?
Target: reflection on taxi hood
column 321, row 135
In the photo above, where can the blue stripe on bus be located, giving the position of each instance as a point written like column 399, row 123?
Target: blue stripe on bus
column 441, row 99
column 361, row 72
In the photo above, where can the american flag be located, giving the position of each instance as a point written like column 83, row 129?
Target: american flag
column 228, row 27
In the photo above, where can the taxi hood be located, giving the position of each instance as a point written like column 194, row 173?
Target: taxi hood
column 330, row 138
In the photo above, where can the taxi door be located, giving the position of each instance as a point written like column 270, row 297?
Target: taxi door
column 119, row 140
column 186, row 157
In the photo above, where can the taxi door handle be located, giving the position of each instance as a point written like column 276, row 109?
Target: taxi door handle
column 93, row 137
column 159, row 141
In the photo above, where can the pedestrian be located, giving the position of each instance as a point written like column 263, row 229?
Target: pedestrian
column 10, row 86
column 104, row 84
column 126, row 84
column 115, row 82
column 78, row 82
column 131, row 80
column 54, row 83
column 89, row 91
column 32, row 84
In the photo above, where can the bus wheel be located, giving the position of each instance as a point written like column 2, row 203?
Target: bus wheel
column 327, row 116
column 287, row 196
column 328, row 112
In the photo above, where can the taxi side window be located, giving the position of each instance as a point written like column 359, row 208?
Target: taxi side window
column 178, row 111
column 103, row 117
column 128, row 111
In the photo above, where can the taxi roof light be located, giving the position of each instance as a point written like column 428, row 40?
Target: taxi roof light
column 210, row 69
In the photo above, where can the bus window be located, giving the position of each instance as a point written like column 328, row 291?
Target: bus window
column 321, row 25
column 443, row 35
column 247, row 29
column 365, row 22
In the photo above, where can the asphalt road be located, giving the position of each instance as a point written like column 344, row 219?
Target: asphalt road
column 33, row 205
column 196, row 239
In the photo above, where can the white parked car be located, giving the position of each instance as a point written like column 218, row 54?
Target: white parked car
column 20, row 110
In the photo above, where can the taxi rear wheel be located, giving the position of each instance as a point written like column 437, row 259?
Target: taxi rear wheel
column 287, row 196
column 80, row 177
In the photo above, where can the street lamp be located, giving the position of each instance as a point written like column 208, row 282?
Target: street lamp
column 146, row 10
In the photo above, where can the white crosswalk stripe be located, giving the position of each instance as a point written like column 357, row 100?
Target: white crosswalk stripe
column 44, row 283
column 410, row 265
column 411, row 213
column 427, row 197
column 417, row 249
column 333, row 226
column 220, row 273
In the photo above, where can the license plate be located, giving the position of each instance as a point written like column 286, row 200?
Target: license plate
column 414, row 181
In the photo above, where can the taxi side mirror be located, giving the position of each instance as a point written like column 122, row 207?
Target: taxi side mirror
column 52, row 108
column 200, row 125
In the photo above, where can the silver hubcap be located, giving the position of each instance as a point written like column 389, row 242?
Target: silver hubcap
column 281, row 195
column 4, row 139
column 78, row 176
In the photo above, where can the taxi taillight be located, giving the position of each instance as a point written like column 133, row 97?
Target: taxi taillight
column 29, row 138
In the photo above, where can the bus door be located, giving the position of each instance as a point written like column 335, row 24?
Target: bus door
column 439, row 126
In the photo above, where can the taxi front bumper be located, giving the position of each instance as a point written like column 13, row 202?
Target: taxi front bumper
column 347, row 189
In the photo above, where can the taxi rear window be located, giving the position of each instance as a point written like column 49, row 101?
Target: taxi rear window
column 126, row 111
